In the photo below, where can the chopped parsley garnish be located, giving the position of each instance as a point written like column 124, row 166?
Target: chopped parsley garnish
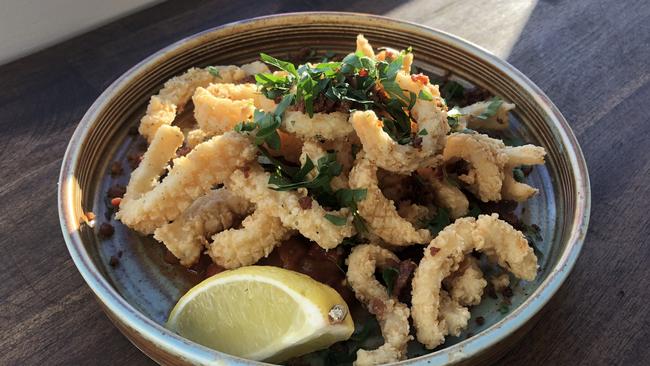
column 504, row 309
column 213, row 71
column 425, row 95
column 336, row 220
column 518, row 174
column 453, row 118
column 265, row 124
column 439, row 222
column 491, row 109
column 533, row 235
column 389, row 275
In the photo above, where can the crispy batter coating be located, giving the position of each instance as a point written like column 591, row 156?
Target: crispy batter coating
column 500, row 282
column 322, row 126
column 520, row 155
column 486, row 159
column 445, row 194
column 364, row 46
column 177, row 92
column 442, row 257
column 215, row 211
column 391, row 314
column 452, row 314
column 382, row 150
column 261, row 232
column 216, row 115
column 195, row 137
column 379, row 212
column 498, row 121
column 242, row 92
column 467, row 283
column 310, row 222
column 191, row 177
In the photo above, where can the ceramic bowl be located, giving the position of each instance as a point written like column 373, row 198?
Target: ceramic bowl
column 137, row 288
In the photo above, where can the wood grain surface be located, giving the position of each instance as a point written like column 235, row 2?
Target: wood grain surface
column 591, row 57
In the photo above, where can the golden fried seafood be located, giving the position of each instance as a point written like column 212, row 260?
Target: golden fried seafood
column 176, row 92
column 452, row 314
column 308, row 217
column 364, row 47
column 500, row 282
column 486, row 161
column 147, row 206
column 215, row 211
column 314, row 151
column 520, row 155
column 322, row 126
column 242, row 92
column 443, row 256
column 385, row 152
column 234, row 248
column 216, row 115
column 445, row 194
column 379, row 212
column 474, row 116
column 391, row 314
column 466, row 285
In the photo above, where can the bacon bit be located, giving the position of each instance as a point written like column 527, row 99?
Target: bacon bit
column 116, row 190
column 406, row 269
column 420, row 78
column 305, row 202
column 363, row 73
column 434, row 250
column 106, row 230
column 376, row 307
column 247, row 171
column 183, row 150
column 390, row 55
column 213, row 269
column 116, row 169
column 115, row 202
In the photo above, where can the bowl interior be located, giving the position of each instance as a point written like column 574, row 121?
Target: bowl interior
column 135, row 265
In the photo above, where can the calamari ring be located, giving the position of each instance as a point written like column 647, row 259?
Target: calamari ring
column 243, row 92
column 322, row 126
column 147, row 206
column 261, row 232
column 391, row 314
column 310, row 221
column 216, row 115
column 379, row 212
column 486, row 159
column 498, row 121
column 364, row 46
column 215, row 211
column 520, row 155
column 177, row 91
column 442, row 257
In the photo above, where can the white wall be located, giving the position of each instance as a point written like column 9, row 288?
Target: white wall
column 29, row 25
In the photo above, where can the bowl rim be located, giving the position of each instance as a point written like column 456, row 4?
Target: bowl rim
column 120, row 310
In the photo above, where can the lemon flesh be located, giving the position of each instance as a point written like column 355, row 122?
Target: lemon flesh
column 262, row 313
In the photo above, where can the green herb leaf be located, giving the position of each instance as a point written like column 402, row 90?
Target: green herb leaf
column 282, row 65
column 423, row 132
column 336, row 220
column 425, row 95
column 389, row 275
column 439, row 222
column 518, row 174
column 245, row 127
column 452, row 90
column 474, row 210
column 213, row 71
column 491, row 109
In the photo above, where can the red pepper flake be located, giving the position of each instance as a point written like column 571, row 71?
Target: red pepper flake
column 247, row 171
column 114, row 261
column 116, row 190
column 305, row 202
column 420, row 78
column 376, row 307
column 363, row 73
column 116, row 201
column 480, row 320
column 106, row 230
column 434, row 250
column 116, row 169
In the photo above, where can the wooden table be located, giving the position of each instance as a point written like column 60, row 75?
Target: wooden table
column 591, row 57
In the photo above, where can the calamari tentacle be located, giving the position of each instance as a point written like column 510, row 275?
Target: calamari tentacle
column 391, row 314
column 381, row 149
column 498, row 121
column 215, row 211
column 379, row 212
column 466, row 285
column 452, row 314
column 443, row 256
column 209, row 163
column 311, row 222
column 486, row 159
column 259, row 235
column 520, row 155
column 177, row 91
column 322, row 126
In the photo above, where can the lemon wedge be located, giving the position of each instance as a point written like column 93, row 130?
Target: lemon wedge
column 262, row 313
